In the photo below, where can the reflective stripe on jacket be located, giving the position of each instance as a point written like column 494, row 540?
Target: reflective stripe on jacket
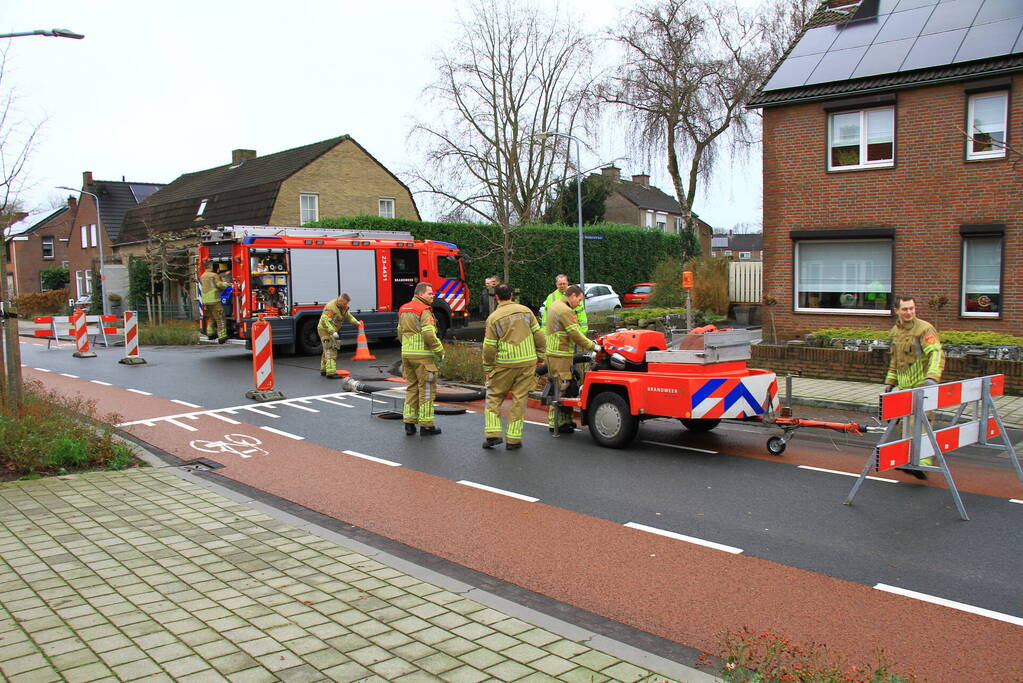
column 915, row 354
column 211, row 285
column 418, row 330
column 563, row 330
column 512, row 336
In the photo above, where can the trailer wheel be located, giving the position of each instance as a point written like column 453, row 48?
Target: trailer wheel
column 775, row 445
column 699, row 425
column 308, row 340
column 611, row 423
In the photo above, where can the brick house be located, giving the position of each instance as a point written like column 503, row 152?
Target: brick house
column 88, row 235
column 886, row 170
column 738, row 246
column 37, row 242
column 636, row 202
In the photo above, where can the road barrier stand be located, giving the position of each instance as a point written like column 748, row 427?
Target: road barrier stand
column 362, row 347
column 131, row 340
column 263, row 364
column 81, row 332
column 65, row 326
column 912, row 407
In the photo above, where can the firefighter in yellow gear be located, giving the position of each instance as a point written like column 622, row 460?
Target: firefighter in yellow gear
column 563, row 334
column 211, row 286
column 561, row 283
column 334, row 315
column 421, row 350
column 512, row 342
column 916, row 360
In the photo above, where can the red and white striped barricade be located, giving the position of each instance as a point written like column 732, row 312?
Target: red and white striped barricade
column 924, row 441
column 263, row 364
column 97, row 326
column 80, row 331
column 131, row 340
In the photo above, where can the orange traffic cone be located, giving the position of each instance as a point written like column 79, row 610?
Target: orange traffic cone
column 362, row 348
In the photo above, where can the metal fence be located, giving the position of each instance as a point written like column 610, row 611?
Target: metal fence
column 745, row 281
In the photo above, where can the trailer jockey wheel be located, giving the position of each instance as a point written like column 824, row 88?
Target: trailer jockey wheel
column 776, row 445
column 611, row 423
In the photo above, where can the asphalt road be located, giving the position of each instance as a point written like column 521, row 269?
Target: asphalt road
column 899, row 534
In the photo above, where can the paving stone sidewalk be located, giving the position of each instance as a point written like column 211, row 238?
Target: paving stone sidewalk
column 142, row 574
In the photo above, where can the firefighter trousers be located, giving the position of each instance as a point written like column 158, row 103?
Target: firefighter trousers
column 420, row 373
column 559, row 372
column 328, row 359
column 216, row 322
column 517, row 379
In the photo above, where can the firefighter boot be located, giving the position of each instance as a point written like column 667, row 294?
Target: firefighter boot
column 410, row 429
column 492, row 441
column 429, row 431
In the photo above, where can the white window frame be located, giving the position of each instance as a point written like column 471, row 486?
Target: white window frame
column 795, row 279
column 43, row 240
column 864, row 164
column 383, row 202
column 999, row 151
column 93, row 233
column 962, row 277
column 85, row 237
column 745, row 255
column 202, row 207
column 678, row 224
column 304, row 212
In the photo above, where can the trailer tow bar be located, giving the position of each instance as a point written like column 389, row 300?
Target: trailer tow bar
column 789, row 425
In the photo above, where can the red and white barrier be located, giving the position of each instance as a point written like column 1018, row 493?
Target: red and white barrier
column 263, row 363
column 80, row 332
column 131, row 340
column 63, row 326
column 908, row 410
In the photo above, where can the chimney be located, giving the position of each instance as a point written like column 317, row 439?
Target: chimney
column 72, row 202
column 641, row 179
column 239, row 156
column 86, row 178
column 612, row 172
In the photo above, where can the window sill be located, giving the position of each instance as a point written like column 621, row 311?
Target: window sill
column 980, row 316
column 871, row 167
column 844, row 311
column 993, row 157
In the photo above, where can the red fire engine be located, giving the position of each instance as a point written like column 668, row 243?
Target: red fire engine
column 287, row 276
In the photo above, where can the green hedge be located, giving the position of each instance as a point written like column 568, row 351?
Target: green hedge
column 626, row 255
column 947, row 336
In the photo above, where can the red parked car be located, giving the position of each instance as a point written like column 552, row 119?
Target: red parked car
column 638, row 294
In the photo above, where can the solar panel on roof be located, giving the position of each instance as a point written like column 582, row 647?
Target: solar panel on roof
column 837, row 65
column 995, row 10
column 906, row 24
column 793, row 72
column 989, row 40
column 815, row 40
column 856, row 33
column 936, row 49
column 952, row 15
column 880, row 58
column 912, row 4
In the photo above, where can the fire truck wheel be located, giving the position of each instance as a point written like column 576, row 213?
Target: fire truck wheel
column 775, row 445
column 697, row 425
column 442, row 324
column 611, row 423
column 308, row 341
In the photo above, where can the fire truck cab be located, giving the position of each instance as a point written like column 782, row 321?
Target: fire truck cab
column 287, row 275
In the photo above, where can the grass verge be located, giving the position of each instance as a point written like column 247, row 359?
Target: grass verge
column 170, row 333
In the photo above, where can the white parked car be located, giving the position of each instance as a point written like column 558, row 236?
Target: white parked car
column 600, row 297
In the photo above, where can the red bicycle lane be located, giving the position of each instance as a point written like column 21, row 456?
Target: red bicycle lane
column 683, row 592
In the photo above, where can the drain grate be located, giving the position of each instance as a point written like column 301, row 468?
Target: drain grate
column 201, row 465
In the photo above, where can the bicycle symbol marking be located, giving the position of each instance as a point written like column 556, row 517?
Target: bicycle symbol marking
column 238, row 444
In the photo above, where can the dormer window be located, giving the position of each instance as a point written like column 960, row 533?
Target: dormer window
column 202, row 207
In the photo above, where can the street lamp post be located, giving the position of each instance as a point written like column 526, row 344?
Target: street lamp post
column 99, row 243
column 12, row 350
column 578, row 200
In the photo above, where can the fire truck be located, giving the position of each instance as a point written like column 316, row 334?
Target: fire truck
column 287, row 275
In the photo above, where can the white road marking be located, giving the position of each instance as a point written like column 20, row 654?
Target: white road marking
column 262, row 412
column 139, row 391
column 185, row 403
column 681, row 448
column 687, row 539
column 102, row 384
column 389, row 463
column 183, row 425
column 64, row 374
column 847, row 474
column 41, row 369
column 364, row 398
column 282, row 433
column 1013, row 500
column 511, row 494
column 538, row 424
column 225, row 419
column 308, row 410
column 336, row 403
column 990, row 614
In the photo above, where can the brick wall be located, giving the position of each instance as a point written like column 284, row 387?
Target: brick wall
column 349, row 182
column 85, row 258
column 929, row 193
column 871, row 366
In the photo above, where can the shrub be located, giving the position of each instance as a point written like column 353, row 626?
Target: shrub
column 710, row 289
column 947, row 337
column 54, row 434
column 643, row 317
column 50, row 302
column 170, row 333
column 668, row 293
column 463, row 362
column 56, row 277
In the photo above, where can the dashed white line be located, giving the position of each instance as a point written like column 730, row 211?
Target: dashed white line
column 688, row 539
column 261, row 412
column 681, row 448
column 847, row 474
column 389, row 463
column 283, row 433
column 102, row 384
column 308, row 410
column 185, row 403
column 225, row 419
column 511, row 494
column 183, row 425
column 139, row 391
column 65, row 374
column 336, row 403
column 41, row 369
column 980, row 611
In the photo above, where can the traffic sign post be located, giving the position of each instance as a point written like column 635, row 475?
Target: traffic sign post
column 923, row 441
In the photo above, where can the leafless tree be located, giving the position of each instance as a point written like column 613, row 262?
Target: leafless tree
column 515, row 70
column 690, row 68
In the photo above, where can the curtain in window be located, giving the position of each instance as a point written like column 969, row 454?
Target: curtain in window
column 845, row 275
column 982, row 266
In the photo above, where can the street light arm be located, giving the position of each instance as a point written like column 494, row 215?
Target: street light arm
column 52, row 32
column 99, row 244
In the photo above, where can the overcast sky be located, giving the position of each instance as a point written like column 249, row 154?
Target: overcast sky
column 158, row 88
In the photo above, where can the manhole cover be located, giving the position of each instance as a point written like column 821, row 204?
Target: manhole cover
column 201, row 465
